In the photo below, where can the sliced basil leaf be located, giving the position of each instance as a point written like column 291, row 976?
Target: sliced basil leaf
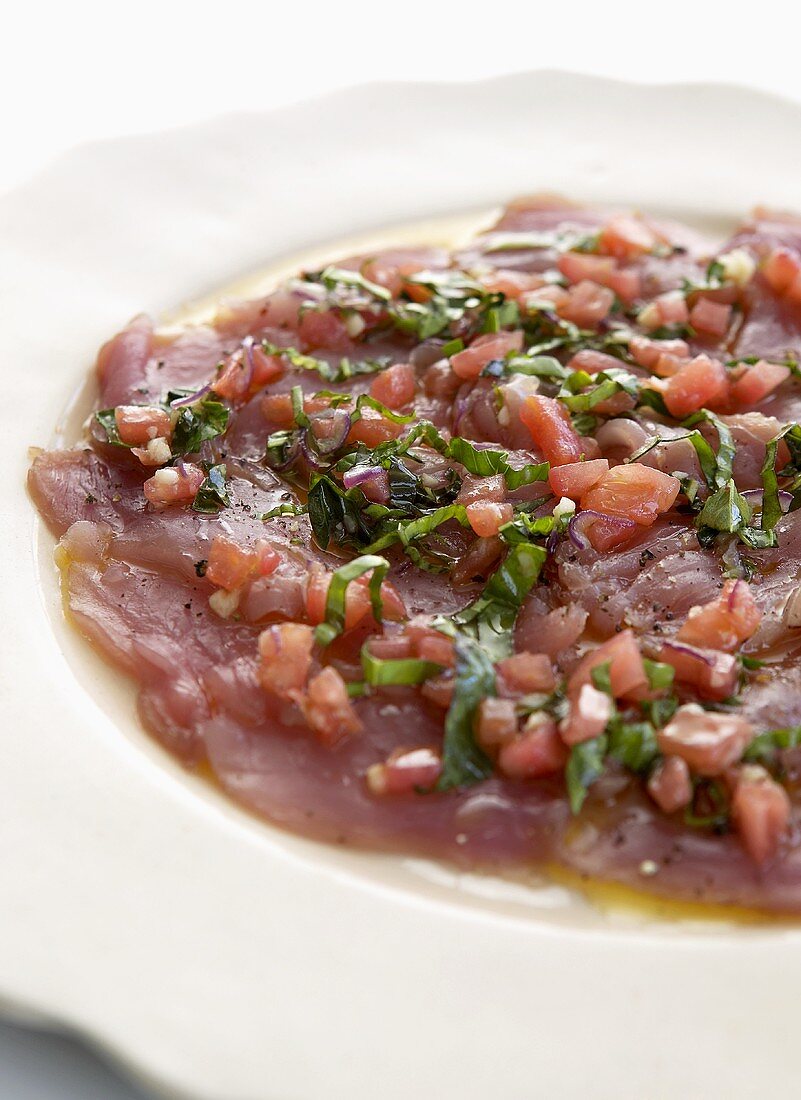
column 660, row 676
column 633, row 744
column 336, row 515
column 108, row 422
column 344, row 370
column 725, row 510
column 491, row 618
column 334, row 622
column 286, row 510
column 585, row 764
column 463, row 761
column 333, row 277
column 488, row 462
column 206, row 419
column 765, row 746
column 398, row 671
column 213, row 492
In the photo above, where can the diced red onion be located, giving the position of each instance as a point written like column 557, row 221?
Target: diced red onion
column 755, row 496
column 702, row 655
column 579, row 527
column 372, row 480
column 310, row 455
column 460, row 407
column 191, row 398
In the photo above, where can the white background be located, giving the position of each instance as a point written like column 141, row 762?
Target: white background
column 85, row 71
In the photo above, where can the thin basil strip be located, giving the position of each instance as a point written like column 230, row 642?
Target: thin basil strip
column 488, row 462
column 765, row 745
column 491, row 618
column 344, row 370
column 386, row 672
column 724, row 459
column 771, row 504
column 213, row 492
column 334, row 623
column 463, row 761
column 585, row 764
column 407, row 533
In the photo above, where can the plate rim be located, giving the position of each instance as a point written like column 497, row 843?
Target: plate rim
column 175, row 1076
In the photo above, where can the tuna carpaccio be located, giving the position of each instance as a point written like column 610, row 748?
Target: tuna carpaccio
column 490, row 555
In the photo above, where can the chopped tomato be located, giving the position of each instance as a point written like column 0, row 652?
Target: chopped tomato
column 323, row 328
column 587, row 304
column 708, row 741
column 713, row 675
column 406, row 771
column 760, row 811
column 574, row 479
column 537, row 752
column 525, row 673
column 357, row 599
column 497, row 723
column 590, row 710
column 285, row 650
column 701, row 383
column 391, row 647
column 174, row 484
column 436, row 647
column 137, row 425
column 648, row 352
column 246, row 371
column 229, row 565
column 781, row 269
column 633, row 491
column 468, row 364
column 327, row 708
column 670, row 784
column 429, row 644
column 626, row 669
column 267, row 558
column 554, row 295
column 626, row 238
column 593, row 361
column 394, row 387
column 710, row 317
column 725, row 622
column 439, row 691
column 385, row 274
column 276, row 408
column 626, row 283
column 666, row 309
column 511, row 283
column 373, row 428
column 607, row 532
column 667, row 365
column 757, row 381
column 551, row 429
column 578, row 266
column 672, row 308
column 486, row 517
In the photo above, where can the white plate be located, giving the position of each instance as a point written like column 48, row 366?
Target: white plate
column 216, row 956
